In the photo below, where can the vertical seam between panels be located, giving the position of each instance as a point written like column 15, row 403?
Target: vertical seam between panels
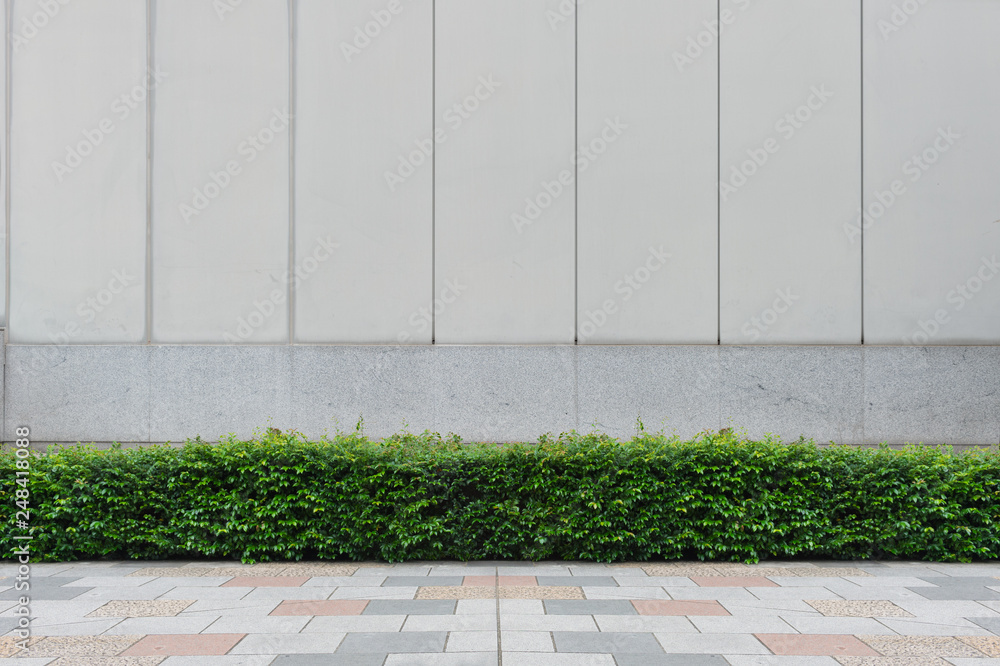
column 291, row 170
column 433, row 169
column 150, row 65
column 718, row 174
column 8, row 10
column 862, row 202
column 576, row 175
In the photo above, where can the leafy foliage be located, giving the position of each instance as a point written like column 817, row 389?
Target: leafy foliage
column 587, row 497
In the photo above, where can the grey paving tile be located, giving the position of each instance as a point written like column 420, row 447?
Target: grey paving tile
column 543, row 659
column 962, row 581
column 599, row 642
column 988, row 623
column 625, row 593
column 288, row 644
column 371, row 592
column 835, row 625
column 410, row 607
column 449, row 622
column 547, row 623
column 589, row 607
column 42, row 590
column 456, row 659
column 726, row 644
column 958, row 592
column 329, row 660
column 162, row 625
column 527, row 641
column 670, row 660
column 643, row 623
column 7, row 624
column 939, row 626
column 223, row 660
column 580, row 581
column 472, row 641
column 394, row 643
column 421, row 581
column 255, row 625
column 354, row 623
column 742, row 625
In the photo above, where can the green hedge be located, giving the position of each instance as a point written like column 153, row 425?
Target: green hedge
column 719, row 497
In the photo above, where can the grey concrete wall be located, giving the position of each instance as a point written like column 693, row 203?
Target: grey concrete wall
column 847, row 394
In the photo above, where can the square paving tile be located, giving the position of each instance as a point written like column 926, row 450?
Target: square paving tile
column 409, row 607
column 320, row 607
column 195, row 645
column 405, row 642
column 266, row 581
column 816, row 645
column 589, row 607
column 599, row 642
column 733, row 581
column 659, row 607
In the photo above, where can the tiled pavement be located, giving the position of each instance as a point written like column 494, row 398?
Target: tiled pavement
column 518, row 614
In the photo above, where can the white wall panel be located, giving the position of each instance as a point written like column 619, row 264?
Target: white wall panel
column 221, row 172
column 932, row 156
column 790, row 172
column 364, row 101
column 647, row 186
column 495, row 151
column 78, row 188
column 3, row 171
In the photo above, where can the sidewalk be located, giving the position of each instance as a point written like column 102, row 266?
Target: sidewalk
column 517, row 614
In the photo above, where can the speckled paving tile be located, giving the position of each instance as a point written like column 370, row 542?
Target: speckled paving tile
column 988, row 645
column 920, row 646
column 173, row 572
column 325, row 608
column 161, row 608
column 83, row 646
column 825, row 572
column 540, row 592
column 732, row 581
column 521, row 581
column 892, row 661
column 107, row 661
column 834, row 608
column 9, row 648
column 456, row 592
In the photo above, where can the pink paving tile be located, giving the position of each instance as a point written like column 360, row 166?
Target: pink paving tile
column 183, row 645
column 332, row 607
column 816, row 645
column 266, row 581
column 661, row 607
column 733, row 581
column 514, row 581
